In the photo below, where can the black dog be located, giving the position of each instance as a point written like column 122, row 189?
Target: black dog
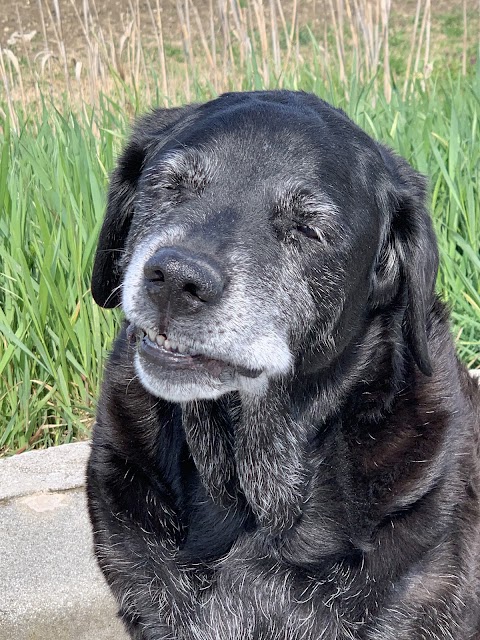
column 286, row 446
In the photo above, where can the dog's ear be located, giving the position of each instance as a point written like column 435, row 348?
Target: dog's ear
column 408, row 259
column 106, row 276
column 149, row 133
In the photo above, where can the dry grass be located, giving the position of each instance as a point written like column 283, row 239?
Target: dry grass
column 228, row 43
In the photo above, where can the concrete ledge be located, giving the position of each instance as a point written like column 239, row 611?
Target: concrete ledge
column 56, row 469
column 50, row 586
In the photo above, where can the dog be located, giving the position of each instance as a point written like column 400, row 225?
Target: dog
column 286, row 445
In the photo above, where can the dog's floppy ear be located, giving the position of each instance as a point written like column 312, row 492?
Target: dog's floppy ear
column 149, row 132
column 408, row 258
column 106, row 274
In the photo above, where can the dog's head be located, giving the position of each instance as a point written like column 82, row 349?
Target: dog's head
column 243, row 232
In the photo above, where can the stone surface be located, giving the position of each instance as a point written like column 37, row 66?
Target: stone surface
column 50, row 586
column 55, row 469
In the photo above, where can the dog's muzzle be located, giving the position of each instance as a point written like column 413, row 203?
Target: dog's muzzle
column 161, row 351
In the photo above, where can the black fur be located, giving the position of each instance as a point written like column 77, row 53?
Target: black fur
column 244, row 495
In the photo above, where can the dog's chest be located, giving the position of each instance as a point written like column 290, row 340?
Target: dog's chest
column 248, row 596
column 239, row 586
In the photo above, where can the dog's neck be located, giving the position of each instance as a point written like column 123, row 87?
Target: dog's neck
column 260, row 446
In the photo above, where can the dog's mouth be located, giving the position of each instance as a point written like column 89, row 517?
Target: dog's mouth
column 166, row 353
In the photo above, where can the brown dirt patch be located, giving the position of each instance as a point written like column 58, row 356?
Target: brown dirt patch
column 26, row 17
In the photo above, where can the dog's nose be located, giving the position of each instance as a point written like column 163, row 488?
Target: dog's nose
column 183, row 280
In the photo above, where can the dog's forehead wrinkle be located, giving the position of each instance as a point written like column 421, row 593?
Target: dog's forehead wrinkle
column 256, row 153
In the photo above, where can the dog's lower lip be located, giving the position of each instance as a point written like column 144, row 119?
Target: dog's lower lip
column 248, row 373
column 165, row 357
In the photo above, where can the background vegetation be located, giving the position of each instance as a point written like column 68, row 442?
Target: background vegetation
column 409, row 74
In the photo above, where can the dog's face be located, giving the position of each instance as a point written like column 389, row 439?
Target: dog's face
column 252, row 236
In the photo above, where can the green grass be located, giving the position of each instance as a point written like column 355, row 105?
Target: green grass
column 54, row 168
column 52, row 184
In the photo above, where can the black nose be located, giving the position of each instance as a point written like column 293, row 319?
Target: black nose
column 183, row 280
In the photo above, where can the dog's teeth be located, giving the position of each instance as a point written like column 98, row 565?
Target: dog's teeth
column 168, row 345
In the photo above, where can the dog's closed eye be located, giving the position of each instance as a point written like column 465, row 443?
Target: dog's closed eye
column 310, row 232
column 178, row 172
